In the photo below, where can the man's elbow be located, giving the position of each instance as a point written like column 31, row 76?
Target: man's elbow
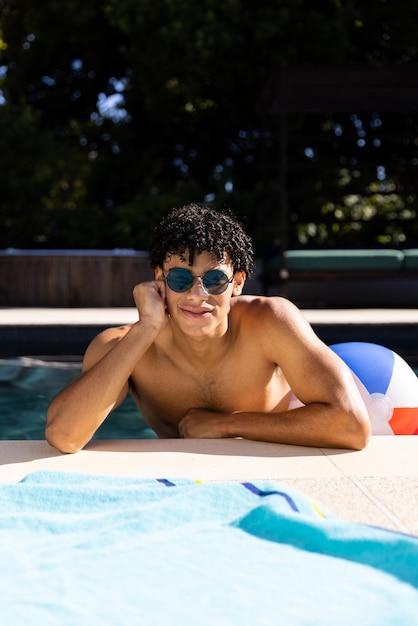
column 360, row 433
column 62, row 442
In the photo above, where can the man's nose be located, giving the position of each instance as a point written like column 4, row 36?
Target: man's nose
column 198, row 286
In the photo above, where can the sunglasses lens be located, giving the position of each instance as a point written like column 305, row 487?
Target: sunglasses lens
column 215, row 282
column 179, row 279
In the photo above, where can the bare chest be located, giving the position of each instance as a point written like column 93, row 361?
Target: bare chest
column 165, row 391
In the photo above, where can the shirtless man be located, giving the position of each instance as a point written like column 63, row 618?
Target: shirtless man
column 205, row 361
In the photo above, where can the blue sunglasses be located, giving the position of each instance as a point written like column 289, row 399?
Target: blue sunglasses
column 214, row 282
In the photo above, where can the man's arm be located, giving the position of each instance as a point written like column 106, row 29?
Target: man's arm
column 334, row 414
column 77, row 411
column 311, row 425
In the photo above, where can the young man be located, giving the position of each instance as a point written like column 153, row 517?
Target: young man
column 205, row 361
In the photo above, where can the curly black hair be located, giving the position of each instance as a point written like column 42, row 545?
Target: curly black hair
column 199, row 228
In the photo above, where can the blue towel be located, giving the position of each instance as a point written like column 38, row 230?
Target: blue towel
column 81, row 550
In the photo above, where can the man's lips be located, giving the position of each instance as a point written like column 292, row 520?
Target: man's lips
column 196, row 312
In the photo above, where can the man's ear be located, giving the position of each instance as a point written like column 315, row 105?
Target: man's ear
column 239, row 282
column 158, row 273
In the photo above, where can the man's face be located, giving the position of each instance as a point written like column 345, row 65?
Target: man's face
column 203, row 307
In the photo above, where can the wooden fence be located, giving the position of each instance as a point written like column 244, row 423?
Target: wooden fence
column 71, row 278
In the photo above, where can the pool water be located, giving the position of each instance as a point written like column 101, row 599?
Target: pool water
column 28, row 385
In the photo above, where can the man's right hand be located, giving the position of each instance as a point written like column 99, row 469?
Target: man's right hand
column 150, row 300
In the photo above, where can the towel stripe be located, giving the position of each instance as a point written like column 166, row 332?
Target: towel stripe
column 259, row 492
column 165, row 482
column 262, row 494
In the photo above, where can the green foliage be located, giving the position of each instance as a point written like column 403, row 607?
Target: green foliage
column 189, row 119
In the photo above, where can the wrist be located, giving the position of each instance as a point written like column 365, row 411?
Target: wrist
column 143, row 333
column 149, row 326
column 229, row 425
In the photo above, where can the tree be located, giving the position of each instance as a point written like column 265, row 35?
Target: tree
column 114, row 111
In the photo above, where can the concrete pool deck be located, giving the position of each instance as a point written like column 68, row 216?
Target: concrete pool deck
column 378, row 485
column 68, row 331
column 10, row 316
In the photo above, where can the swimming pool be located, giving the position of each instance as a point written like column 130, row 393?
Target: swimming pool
column 27, row 385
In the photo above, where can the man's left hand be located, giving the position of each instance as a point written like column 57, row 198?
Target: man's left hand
column 203, row 424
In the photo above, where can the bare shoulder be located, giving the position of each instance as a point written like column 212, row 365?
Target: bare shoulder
column 264, row 309
column 102, row 343
column 279, row 326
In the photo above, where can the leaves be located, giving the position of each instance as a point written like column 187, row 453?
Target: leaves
column 115, row 110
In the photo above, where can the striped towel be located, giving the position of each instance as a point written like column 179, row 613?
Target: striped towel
column 81, row 550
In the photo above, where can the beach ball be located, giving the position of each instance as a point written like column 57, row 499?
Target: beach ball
column 391, row 385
